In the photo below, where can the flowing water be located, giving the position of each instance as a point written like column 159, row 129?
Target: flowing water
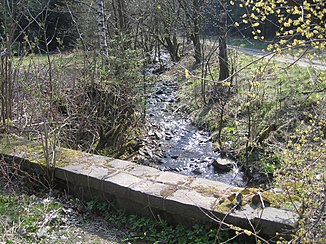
column 178, row 145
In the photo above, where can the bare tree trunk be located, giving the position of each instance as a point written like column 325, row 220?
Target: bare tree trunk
column 102, row 29
column 7, row 71
column 223, row 59
column 172, row 45
column 122, row 15
column 193, row 18
column 195, row 35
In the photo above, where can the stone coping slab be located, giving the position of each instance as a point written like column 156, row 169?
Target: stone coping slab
column 186, row 198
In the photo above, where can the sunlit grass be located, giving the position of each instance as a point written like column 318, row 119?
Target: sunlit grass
column 247, row 43
column 24, row 213
column 57, row 59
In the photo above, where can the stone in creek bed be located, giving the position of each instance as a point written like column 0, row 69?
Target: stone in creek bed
column 196, row 171
column 255, row 199
column 174, row 156
column 209, row 161
column 159, row 92
column 222, row 165
column 168, row 138
column 159, row 161
column 158, row 135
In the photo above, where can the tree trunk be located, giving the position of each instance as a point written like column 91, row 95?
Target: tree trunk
column 102, row 29
column 223, row 59
column 195, row 35
column 197, row 47
column 172, row 45
column 122, row 15
column 193, row 14
column 119, row 16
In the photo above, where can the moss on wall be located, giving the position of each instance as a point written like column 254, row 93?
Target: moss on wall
column 34, row 151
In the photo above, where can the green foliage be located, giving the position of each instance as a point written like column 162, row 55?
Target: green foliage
column 145, row 230
column 300, row 23
column 273, row 97
column 126, row 64
column 149, row 231
column 98, row 206
column 303, row 175
column 27, row 213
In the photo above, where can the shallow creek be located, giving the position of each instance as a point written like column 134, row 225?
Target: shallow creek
column 174, row 144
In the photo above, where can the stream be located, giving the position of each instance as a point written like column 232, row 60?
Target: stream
column 174, row 144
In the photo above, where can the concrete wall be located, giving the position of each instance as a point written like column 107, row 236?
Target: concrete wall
column 150, row 192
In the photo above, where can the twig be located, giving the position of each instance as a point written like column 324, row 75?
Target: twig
column 295, row 61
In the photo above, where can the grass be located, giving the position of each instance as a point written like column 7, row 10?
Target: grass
column 272, row 92
column 248, row 43
column 242, row 42
column 262, row 45
column 290, row 157
column 39, row 59
column 30, row 213
column 26, row 217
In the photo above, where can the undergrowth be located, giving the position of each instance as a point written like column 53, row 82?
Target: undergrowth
column 26, row 218
column 262, row 106
column 147, row 230
column 274, row 126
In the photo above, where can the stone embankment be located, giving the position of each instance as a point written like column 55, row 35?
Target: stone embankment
column 150, row 192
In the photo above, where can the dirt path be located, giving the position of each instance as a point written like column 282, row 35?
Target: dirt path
column 303, row 62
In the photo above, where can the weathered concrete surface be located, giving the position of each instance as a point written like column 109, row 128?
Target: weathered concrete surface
column 148, row 191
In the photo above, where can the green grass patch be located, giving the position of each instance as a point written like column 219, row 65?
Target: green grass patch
column 248, row 43
column 27, row 214
column 62, row 59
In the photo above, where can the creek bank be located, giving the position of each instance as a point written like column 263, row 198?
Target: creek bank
column 257, row 167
